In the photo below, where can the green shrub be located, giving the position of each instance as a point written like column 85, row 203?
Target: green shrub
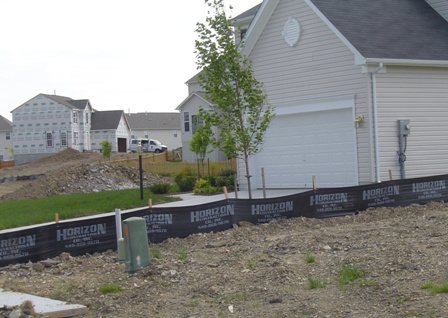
column 185, row 179
column 227, row 173
column 186, row 183
column 226, row 178
column 212, row 180
column 106, row 148
column 160, row 188
column 184, row 172
column 203, row 186
column 222, row 181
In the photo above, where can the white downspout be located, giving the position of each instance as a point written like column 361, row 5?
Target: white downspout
column 375, row 123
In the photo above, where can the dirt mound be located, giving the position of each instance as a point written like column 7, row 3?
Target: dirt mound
column 68, row 154
column 69, row 171
column 83, row 178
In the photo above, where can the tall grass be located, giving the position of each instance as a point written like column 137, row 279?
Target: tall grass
column 34, row 211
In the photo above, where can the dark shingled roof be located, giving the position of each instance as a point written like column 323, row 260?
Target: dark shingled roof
column 249, row 13
column 69, row 102
column 154, row 120
column 390, row 29
column 5, row 124
column 80, row 104
column 108, row 119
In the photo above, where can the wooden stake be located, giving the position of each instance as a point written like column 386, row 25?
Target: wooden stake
column 150, row 203
column 235, row 185
column 314, row 182
column 225, row 192
column 56, row 218
column 263, row 182
column 390, row 175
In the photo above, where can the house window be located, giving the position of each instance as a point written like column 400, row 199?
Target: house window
column 146, row 136
column 8, row 136
column 132, row 136
column 175, row 133
column 49, row 140
column 87, row 118
column 63, row 139
column 196, row 121
column 75, row 138
column 186, row 121
column 75, row 117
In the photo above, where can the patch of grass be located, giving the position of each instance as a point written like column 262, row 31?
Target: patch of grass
column 155, row 252
column 182, row 255
column 436, row 288
column 250, row 264
column 314, row 283
column 63, row 292
column 35, row 211
column 310, row 258
column 365, row 283
column 349, row 273
column 109, row 288
column 236, row 296
column 192, row 303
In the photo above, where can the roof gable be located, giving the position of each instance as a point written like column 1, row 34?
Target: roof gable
column 200, row 95
column 399, row 29
column 109, row 119
column 80, row 104
column 5, row 124
column 408, row 30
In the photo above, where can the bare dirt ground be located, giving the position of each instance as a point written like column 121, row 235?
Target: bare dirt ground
column 262, row 271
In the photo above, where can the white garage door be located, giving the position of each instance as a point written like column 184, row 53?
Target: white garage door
column 300, row 146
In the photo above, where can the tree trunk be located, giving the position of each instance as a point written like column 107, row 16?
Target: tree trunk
column 248, row 176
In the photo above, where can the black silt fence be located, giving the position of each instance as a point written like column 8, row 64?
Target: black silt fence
column 98, row 233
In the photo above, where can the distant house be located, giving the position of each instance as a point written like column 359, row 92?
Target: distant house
column 5, row 139
column 189, row 109
column 164, row 127
column 343, row 80
column 47, row 124
column 196, row 99
column 112, row 126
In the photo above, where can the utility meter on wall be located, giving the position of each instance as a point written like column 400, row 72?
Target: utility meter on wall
column 404, row 127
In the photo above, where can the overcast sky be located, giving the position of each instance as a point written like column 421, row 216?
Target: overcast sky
column 132, row 55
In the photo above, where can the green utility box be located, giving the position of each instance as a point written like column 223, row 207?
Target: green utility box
column 135, row 244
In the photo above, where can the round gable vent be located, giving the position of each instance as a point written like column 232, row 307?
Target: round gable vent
column 291, row 31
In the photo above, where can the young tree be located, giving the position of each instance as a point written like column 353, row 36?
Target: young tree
column 200, row 143
column 240, row 110
column 106, row 148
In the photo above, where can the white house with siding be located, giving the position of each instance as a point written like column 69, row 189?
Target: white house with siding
column 164, row 127
column 189, row 109
column 5, row 139
column 112, row 126
column 341, row 75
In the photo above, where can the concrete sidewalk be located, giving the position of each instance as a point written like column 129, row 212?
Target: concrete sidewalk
column 193, row 199
column 43, row 306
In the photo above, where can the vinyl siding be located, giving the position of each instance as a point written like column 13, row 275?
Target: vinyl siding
column 420, row 95
column 319, row 67
column 192, row 106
